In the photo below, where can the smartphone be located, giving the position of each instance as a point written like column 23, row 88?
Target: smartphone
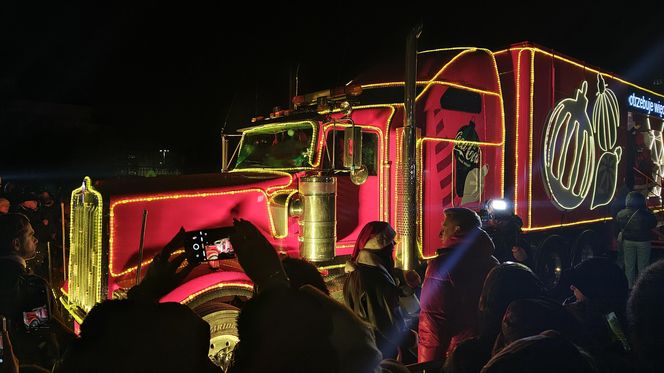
column 2, row 339
column 205, row 245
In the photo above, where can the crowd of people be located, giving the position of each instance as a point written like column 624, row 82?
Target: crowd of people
column 472, row 313
column 44, row 214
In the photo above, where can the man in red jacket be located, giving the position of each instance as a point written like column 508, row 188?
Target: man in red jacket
column 453, row 283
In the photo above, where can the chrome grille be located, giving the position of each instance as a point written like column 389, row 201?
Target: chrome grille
column 85, row 251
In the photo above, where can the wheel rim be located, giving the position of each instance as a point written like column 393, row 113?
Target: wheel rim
column 551, row 269
column 223, row 343
column 552, row 260
column 222, row 317
column 585, row 252
column 585, row 246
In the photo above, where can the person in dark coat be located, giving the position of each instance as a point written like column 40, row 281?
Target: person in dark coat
column 371, row 290
column 636, row 223
column 283, row 329
column 531, row 316
column 24, row 297
column 124, row 335
column 547, row 352
column 599, row 304
column 452, row 284
column 505, row 283
column 645, row 310
column 28, row 204
column 302, row 272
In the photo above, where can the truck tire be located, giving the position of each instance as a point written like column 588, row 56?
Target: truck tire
column 552, row 260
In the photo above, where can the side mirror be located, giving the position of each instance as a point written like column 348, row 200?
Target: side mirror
column 353, row 155
column 353, row 147
column 359, row 175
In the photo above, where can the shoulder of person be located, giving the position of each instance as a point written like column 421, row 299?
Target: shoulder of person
column 623, row 213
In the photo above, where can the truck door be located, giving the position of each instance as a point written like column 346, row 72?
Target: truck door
column 356, row 204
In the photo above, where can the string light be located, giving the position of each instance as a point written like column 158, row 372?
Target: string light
column 88, row 214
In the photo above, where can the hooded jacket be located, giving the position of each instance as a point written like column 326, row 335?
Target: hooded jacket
column 450, row 293
column 639, row 227
column 372, row 293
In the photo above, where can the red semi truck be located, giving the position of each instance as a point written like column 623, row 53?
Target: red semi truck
column 552, row 136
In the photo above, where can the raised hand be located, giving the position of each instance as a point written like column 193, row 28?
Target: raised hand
column 257, row 256
column 162, row 275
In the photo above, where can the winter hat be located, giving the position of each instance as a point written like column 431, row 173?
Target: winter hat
column 600, row 279
column 381, row 238
column 635, row 200
column 25, row 196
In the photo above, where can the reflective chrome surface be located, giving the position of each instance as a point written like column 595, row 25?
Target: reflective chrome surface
column 318, row 223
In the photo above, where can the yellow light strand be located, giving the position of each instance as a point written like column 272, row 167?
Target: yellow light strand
column 268, row 190
column 419, row 155
column 450, row 49
column 566, row 224
column 382, row 147
column 457, row 141
column 530, row 141
column 420, row 198
column 572, row 179
column 145, row 263
column 97, row 229
column 291, row 193
column 334, row 266
column 586, row 68
column 516, row 138
column 398, row 140
column 262, row 128
column 427, row 83
column 223, row 285
column 386, row 162
column 174, row 196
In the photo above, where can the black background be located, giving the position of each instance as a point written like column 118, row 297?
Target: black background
column 80, row 84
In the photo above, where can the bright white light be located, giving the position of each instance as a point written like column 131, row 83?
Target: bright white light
column 498, row 205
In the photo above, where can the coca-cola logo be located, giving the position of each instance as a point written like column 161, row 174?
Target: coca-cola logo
column 466, row 152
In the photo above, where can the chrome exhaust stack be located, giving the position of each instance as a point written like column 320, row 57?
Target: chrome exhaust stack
column 407, row 227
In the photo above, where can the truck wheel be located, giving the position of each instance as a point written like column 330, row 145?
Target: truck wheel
column 587, row 245
column 222, row 318
column 552, row 260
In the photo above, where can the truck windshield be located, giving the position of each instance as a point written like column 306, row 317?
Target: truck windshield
column 287, row 145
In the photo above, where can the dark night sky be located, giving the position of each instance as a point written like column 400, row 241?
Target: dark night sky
column 127, row 76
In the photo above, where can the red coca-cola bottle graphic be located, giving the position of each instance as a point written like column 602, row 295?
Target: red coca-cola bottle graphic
column 467, row 156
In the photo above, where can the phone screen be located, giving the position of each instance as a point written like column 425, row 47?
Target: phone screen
column 205, row 245
column 36, row 318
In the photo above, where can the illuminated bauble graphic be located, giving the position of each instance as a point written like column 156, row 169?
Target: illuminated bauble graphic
column 569, row 151
column 606, row 120
column 606, row 177
column 605, row 116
